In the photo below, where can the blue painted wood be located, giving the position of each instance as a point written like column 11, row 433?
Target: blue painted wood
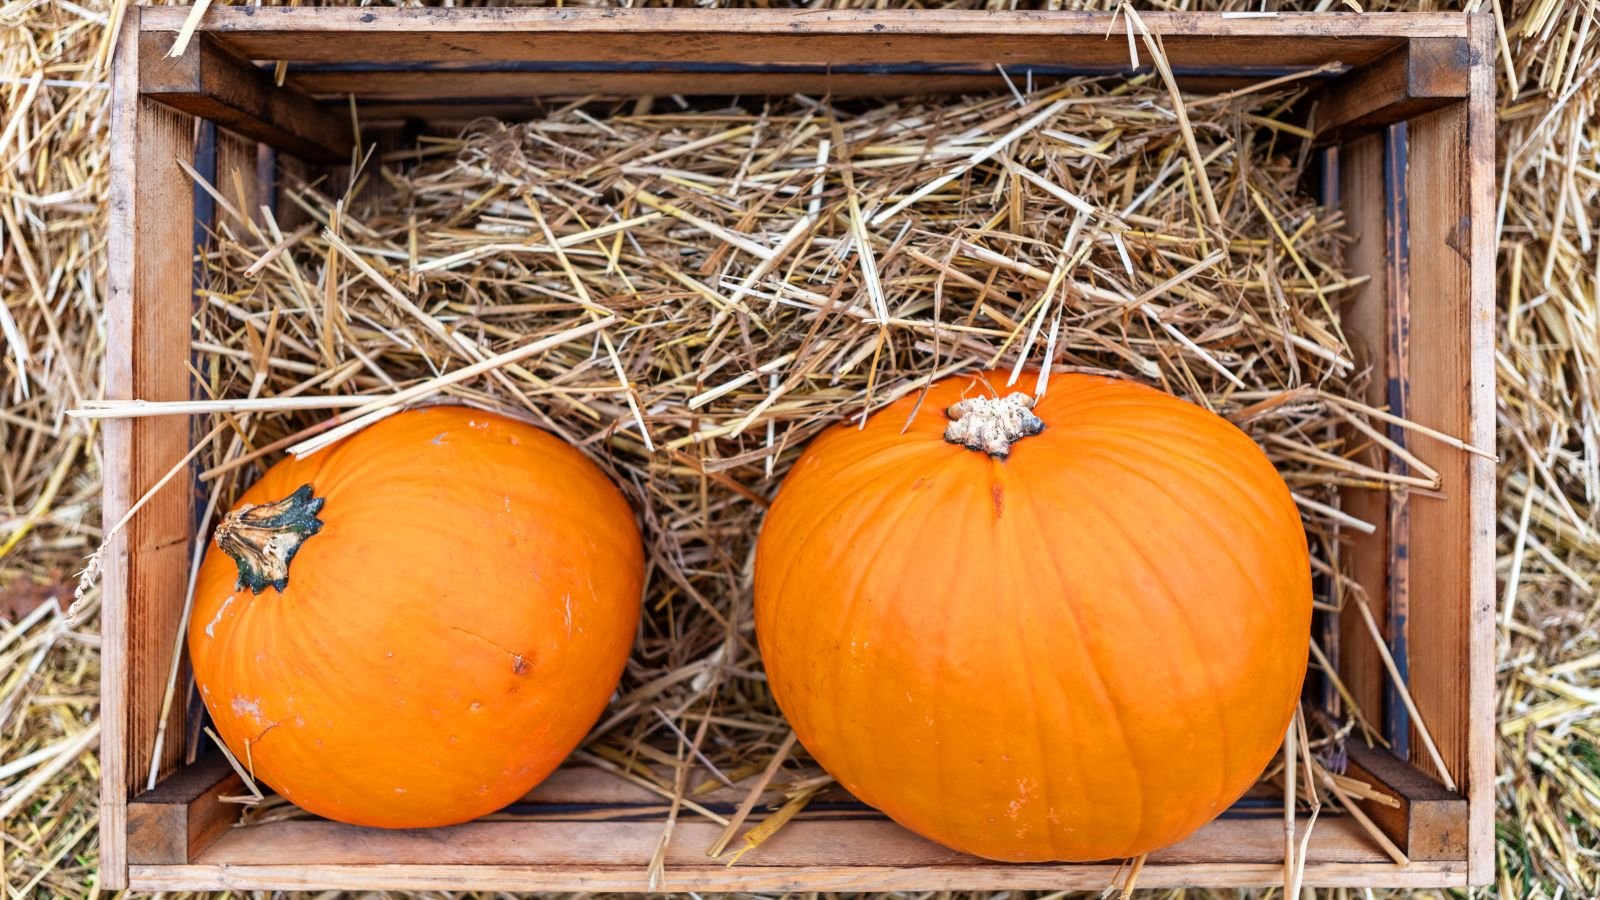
column 205, row 219
column 1396, row 719
column 1326, row 624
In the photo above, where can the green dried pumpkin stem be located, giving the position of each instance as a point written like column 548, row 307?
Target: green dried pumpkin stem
column 992, row 424
column 263, row 538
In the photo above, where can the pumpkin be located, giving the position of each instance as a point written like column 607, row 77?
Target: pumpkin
column 1068, row 630
column 415, row 626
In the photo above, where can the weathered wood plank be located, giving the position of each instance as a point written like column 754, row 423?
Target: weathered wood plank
column 766, row 35
column 1397, row 375
column 172, row 823
column 211, row 82
column 868, row 842
column 1365, row 323
column 438, row 84
column 149, row 249
column 240, row 179
column 1430, row 823
column 747, row 878
column 1452, row 389
column 1420, row 75
column 1480, row 668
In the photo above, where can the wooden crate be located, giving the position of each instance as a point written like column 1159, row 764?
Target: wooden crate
column 1406, row 119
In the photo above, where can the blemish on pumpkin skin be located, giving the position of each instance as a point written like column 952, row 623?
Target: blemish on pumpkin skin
column 250, row 742
column 997, row 493
column 519, row 663
column 438, row 439
column 211, row 631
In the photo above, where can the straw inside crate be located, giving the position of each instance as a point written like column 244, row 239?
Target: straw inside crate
column 691, row 294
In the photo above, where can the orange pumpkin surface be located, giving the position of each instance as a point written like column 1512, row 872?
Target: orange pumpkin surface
column 441, row 641
column 1075, row 631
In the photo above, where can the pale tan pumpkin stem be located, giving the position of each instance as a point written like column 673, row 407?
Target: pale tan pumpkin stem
column 262, row 538
column 992, row 424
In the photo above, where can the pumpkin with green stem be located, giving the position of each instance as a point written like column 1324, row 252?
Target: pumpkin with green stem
column 1072, row 629
column 416, row 625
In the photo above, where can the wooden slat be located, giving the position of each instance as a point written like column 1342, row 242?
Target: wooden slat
column 241, row 179
column 211, row 82
column 1480, row 685
column 1480, row 668
column 1397, row 399
column 1452, row 389
column 436, row 83
column 586, row 786
column 1364, row 319
column 876, row 855
column 769, row 35
column 746, row 878
column 149, row 279
column 443, row 89
column 1420, row 75
column 1430, row 823
column 867, row 842
column 172, row 823
column 149, row 251
column 281, row 173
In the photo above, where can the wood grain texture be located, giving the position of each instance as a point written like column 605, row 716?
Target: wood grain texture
column 767, row 35
column 442, row 84
column 1480, row 668
column 240, row 179
column 1366, row 324
column 869, row 841
column 151, row 239
column 1431, row 821
column 149, row 254
column 172, row 823
column 745, row 878
column 1397, row 376
column 1420, row 75
column 871, row 854
column 1451, row 178
column 211, row 82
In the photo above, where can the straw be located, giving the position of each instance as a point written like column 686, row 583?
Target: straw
column 691, row 297
column 795, row 345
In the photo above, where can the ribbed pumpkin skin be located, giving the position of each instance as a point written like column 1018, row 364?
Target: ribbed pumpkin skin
column 449, row 636
column 1085, row 651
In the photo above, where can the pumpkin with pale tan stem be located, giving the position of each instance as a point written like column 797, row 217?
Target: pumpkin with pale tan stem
column 415, row 626
column 1067, row 630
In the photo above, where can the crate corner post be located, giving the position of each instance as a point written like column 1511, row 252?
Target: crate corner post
column 149, row 290
column 1481, row 679
column 1450, row 178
